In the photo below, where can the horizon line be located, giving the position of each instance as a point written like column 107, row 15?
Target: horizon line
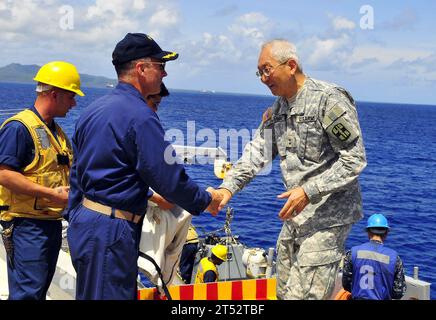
column 212, row 92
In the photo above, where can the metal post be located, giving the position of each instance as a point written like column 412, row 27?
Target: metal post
column 269, row 263
column 415, row 273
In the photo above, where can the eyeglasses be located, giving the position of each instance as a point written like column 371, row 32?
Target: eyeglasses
column 162, row 64
column 268, row 70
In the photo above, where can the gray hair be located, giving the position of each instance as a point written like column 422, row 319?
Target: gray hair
column 124, row 69
column 283, row 50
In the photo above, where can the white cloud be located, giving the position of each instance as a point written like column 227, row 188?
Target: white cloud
column 326, row 53
column 386, row 56
column 139, row 4
column 98, row 19
column 31, row 33
column 340, row 51
column 15, row 17
column 29, row 29
column 414, row 65
column 340, row 23
column 253, row 27
column 421, row 70
column 232, row 51
column 330, row 49
column 428, row 64
column 164, row 17
column 238, row 45
column 253, row 18
column 34, row 26
column 342, row 54
column 210, row 50
column 116, row 8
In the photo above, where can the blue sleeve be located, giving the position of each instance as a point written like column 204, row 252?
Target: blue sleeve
column 75, row 195
column 209, row 276
column 168, row 179
column 400, row 286
column 16, row 146
column 149, row 193
column 347, row 272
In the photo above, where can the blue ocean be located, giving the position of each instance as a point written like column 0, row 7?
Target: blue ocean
column 399, row 180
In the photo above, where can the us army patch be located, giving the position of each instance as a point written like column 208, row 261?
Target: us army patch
column 331, row 116
column 341, row 132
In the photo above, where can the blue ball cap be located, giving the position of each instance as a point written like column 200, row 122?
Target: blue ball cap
column 139, row 45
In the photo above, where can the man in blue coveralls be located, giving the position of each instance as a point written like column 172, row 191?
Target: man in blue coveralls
column 119, row 153
column 371, row 270
column 35, row 158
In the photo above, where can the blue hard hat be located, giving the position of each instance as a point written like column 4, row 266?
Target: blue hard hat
column 377, row 221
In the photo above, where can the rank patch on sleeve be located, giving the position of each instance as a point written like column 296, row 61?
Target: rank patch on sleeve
column 341, row 132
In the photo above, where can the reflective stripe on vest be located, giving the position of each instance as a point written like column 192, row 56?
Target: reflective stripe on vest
column 192, row 236
column 371, row 255
column 44, row 169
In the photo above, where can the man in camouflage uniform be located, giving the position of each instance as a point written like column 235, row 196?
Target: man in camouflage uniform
column 314, row 128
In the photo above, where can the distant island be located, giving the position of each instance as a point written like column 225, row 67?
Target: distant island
column 18, row 73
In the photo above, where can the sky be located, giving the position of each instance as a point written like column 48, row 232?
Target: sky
column 380, row 51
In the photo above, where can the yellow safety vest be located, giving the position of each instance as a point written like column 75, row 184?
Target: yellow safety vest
column 205, row 266
column 192, row 236
column 44, row 170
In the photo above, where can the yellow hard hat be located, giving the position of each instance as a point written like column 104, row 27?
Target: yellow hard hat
column 220, row 252
column 60, row 74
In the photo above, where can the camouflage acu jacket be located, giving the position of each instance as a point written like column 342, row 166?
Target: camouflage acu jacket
column 318, row 139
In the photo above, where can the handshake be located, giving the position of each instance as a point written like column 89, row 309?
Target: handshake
column 220, row 197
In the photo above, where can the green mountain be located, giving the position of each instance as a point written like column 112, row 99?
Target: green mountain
column 19, row 73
